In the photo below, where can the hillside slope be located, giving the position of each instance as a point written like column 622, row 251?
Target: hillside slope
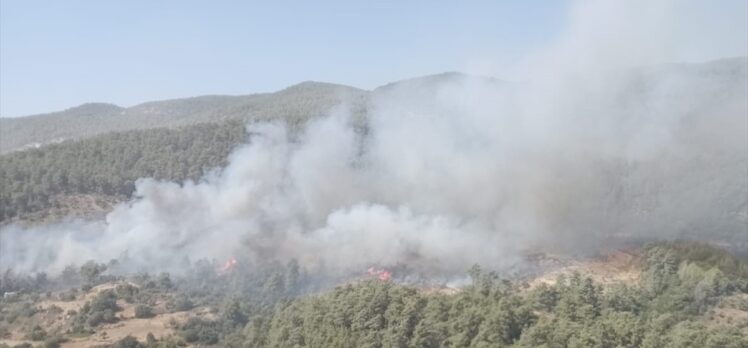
column 683, row 295
column 705, row 99
column 294, row 104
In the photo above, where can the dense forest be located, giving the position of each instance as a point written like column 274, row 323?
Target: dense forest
column 102, row 149
column 680, row 300
column 110, row 164
column 679, row 284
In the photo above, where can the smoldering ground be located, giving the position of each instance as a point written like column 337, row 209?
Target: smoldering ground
column 596, row 144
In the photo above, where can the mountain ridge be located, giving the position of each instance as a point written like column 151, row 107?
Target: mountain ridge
column 294, row 104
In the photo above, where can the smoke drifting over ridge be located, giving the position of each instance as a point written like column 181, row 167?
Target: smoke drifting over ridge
column 596, row 144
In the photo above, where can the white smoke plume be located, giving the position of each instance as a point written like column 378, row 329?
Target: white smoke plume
column 596, row 144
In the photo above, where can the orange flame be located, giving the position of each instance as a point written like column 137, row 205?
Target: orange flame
column 381, row 274
column 228, row 265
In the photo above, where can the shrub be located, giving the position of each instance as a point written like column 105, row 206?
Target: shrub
column 150, row 340
column 91, row 272
column 103, row 301
column 128, row 342
column 197, row 330
column 143, row 311
column 105, row 316
column 743, row 305
column 20, row 310
column 126, row 292
column 180, row 304
column 54, row 342
column 68, row 295
column 54, row 309
column 37, row 334
column 164, row 281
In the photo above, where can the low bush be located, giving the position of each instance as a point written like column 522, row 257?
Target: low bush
column 36, row 334
column 143, row 311
column 180, row 304
column 54, row 342
column 128, row 342
column 201, row 331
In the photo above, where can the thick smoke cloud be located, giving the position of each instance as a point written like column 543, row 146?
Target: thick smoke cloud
column 596, row 145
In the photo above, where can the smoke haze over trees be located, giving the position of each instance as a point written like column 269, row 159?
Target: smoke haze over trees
column 592, row 194
column 417, row 184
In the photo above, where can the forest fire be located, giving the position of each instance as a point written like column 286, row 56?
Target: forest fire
column 381, row 274
column 229, row 265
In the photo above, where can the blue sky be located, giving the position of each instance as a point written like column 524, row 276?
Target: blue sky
column 58, row 54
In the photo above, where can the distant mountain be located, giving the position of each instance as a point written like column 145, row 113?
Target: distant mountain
column 433, row 82
column 300, row 102
column 294, row 104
